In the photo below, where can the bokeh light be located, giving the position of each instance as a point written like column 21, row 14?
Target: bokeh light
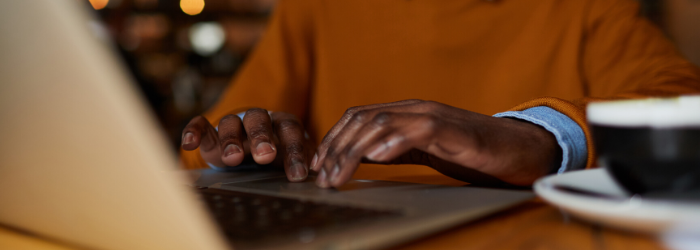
column 99, row 4
column 192, row 7
column 207, row 38
column 181, row 67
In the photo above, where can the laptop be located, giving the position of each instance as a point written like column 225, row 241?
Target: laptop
column 83, row 162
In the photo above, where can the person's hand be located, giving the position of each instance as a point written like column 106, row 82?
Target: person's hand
column 277, row 138
column 464, row 145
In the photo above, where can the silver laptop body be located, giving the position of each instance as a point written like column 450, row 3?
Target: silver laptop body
column 82, row 161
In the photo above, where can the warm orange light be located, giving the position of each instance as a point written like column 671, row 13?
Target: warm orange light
column 192, row 7
column 99, row 4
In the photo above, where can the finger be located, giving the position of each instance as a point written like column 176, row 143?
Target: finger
column 418, row 131
column 356, row 114
column 322, row 179
column 292, row 144
column 231, row 137
column 348, row 160
column 439, row 139
column 199, row 133
column 258, row 129
column 360, row 119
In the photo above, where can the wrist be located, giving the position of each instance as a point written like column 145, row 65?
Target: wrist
column 525, row 151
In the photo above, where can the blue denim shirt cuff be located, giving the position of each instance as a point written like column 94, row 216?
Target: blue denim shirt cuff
column 569, row 135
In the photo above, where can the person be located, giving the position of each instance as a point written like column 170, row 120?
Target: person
column 415, row 82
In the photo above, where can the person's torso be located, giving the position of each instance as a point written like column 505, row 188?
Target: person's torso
column 477, row 55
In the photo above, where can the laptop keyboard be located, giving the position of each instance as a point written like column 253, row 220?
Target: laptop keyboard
column 248, row 217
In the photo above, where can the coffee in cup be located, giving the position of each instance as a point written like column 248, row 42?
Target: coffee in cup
column 650, row 146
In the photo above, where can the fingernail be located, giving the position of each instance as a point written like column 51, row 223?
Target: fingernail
column 231, row 149
column 334, row 173
column 297, row 170
column 264, row 148
column 313, row 161
column 188, row 138
column 321, row 178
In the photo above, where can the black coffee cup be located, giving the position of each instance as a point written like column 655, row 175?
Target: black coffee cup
column 650, row 146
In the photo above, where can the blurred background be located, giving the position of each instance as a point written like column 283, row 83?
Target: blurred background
column 183, row 53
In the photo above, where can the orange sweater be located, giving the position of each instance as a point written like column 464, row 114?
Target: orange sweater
column 320, row 57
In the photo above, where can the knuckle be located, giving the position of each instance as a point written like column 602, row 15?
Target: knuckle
column 360, row 116
column 350, row 112
column 382, row 118
column 353, row 110
column 429, row 122
column 332, row 151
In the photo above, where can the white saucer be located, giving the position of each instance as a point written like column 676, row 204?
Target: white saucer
column 615, row 207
